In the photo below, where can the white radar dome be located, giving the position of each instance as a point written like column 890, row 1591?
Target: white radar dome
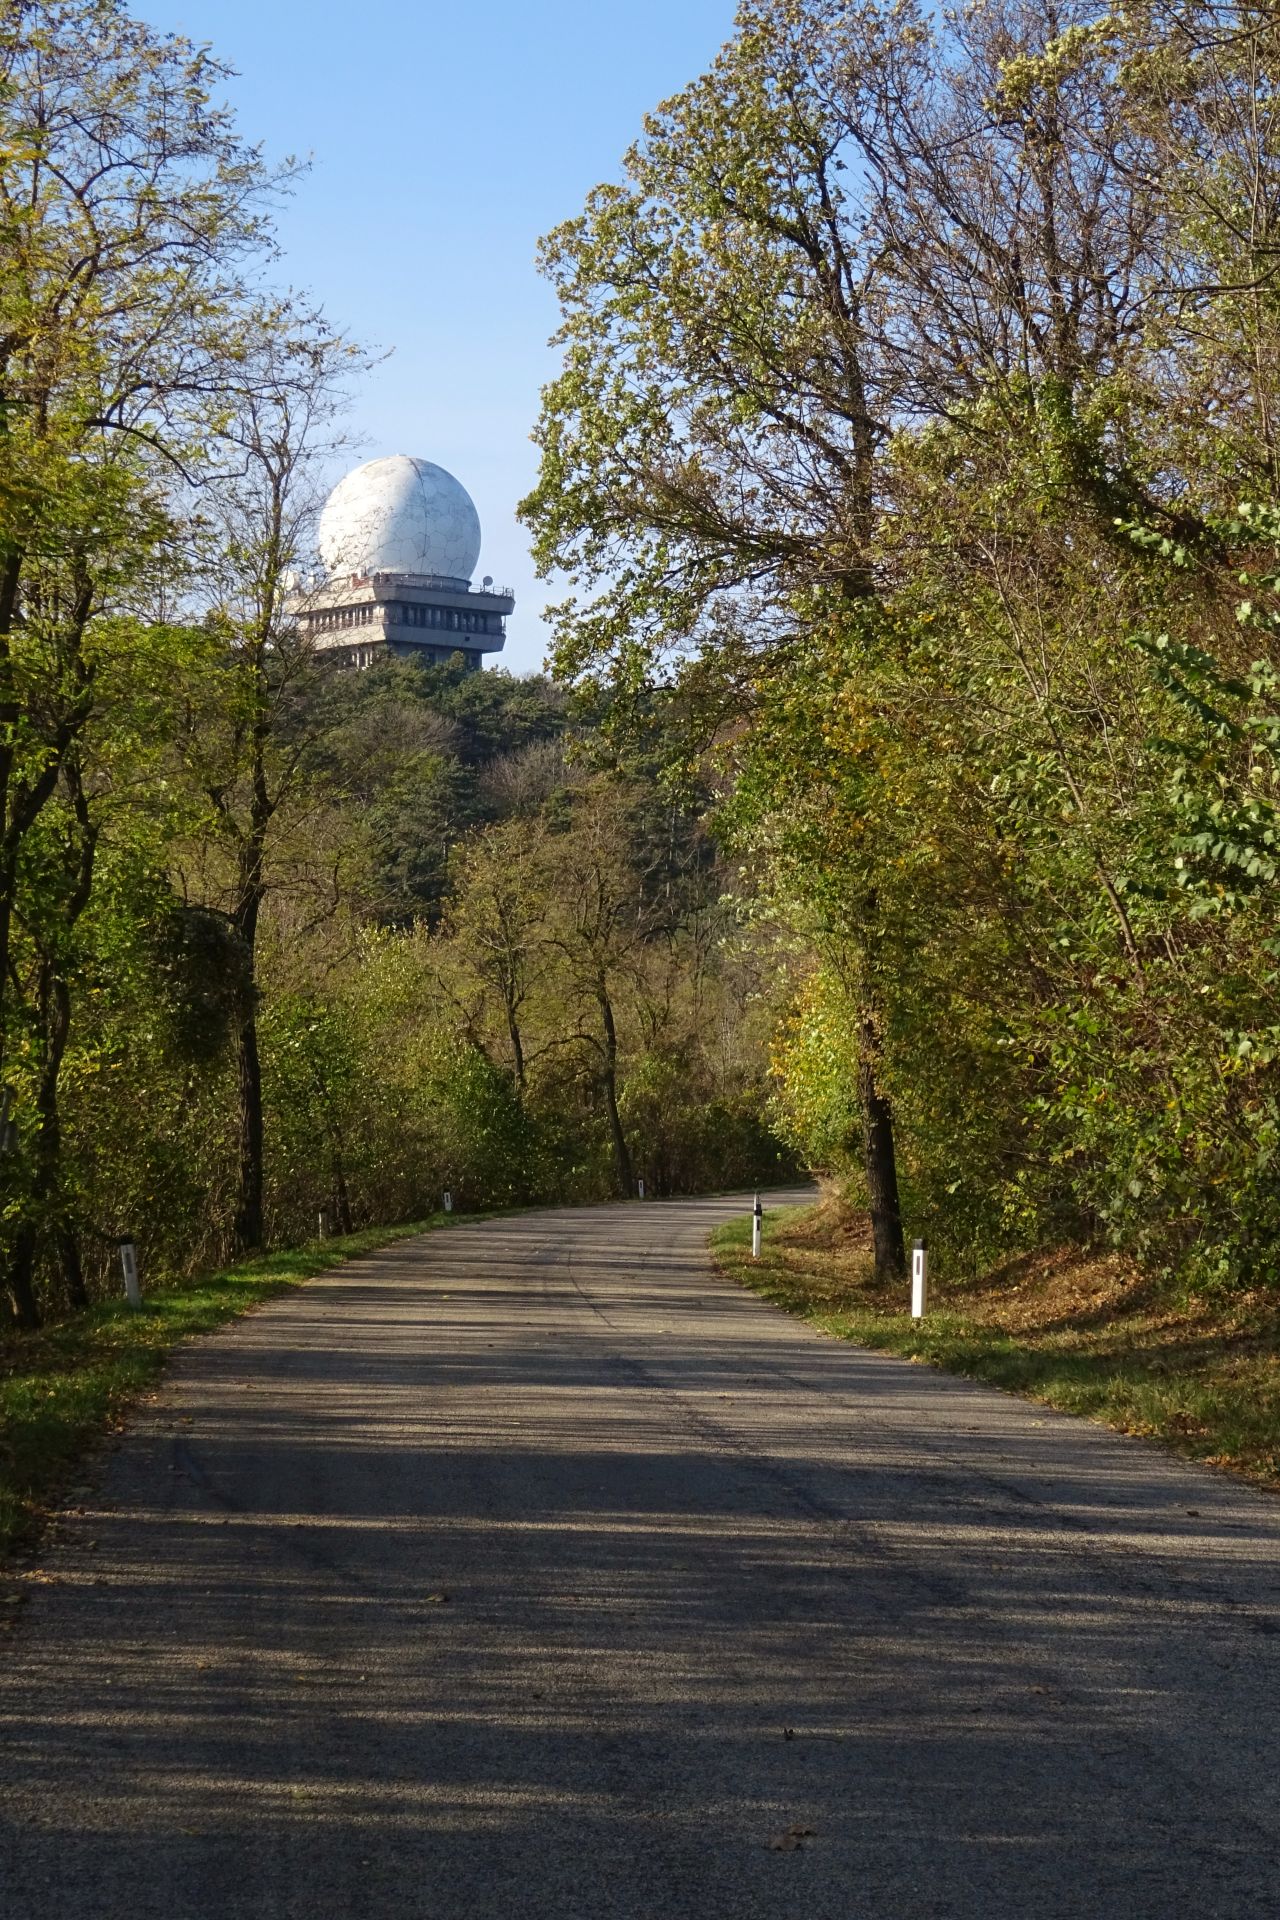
column 400, row 515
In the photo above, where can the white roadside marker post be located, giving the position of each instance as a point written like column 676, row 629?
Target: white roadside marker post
column 757, row 1228
column 129, row 1266
column 320, row 1223
column 640, row 1187
column 919, row 1280
column 448, row 1201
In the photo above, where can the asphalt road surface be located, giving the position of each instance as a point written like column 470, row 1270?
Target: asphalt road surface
column 529, row 1569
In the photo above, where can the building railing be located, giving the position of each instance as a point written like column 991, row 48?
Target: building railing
column 440, row 582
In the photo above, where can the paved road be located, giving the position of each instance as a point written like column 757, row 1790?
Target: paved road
column 531, row 1570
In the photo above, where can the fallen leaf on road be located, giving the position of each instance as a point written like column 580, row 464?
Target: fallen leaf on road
column 791, row 1840
column 437, row 1599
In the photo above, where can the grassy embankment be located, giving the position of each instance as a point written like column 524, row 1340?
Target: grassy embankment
column 1081, row 1330
column 64, row 1386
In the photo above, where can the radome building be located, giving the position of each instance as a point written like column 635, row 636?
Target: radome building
column 400, row 540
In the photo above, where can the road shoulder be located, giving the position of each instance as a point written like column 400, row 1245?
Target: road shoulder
column 1076, row 1329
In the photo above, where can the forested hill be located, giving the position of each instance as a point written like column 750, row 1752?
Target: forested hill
column 423, row 756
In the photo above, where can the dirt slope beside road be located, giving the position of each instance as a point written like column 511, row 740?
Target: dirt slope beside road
column 534, row 1570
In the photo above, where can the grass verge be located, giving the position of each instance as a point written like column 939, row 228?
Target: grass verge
column 61, row 1388
column 1080, row 1330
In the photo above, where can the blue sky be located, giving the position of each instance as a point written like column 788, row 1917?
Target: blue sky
column 445, row 140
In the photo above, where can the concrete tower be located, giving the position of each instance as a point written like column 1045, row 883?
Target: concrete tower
column 399, row 539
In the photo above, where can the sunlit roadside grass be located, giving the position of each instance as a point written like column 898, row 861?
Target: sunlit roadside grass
column 1079, row 1330
column 64, row 1386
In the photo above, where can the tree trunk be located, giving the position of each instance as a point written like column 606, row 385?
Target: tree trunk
column 341, row 1197
column 609, row 1082
column 69, row 1263
column 248, row 909
column 517, row 1047
column 248, row 1223
column 20, row 1278
column 880, row 1160
column 46, row 1200
column 10, row 579
column 55, row 1020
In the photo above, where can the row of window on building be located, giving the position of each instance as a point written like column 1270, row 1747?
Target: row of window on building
column 342, row 617
column 445, row 619
column 431, row 656
column 440, row 619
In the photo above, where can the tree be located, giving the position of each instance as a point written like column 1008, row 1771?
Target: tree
column 250, row 737
column 906, row 378
column 710, row 451
column 599, row 917
column 497, row 927
column 126, row 209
